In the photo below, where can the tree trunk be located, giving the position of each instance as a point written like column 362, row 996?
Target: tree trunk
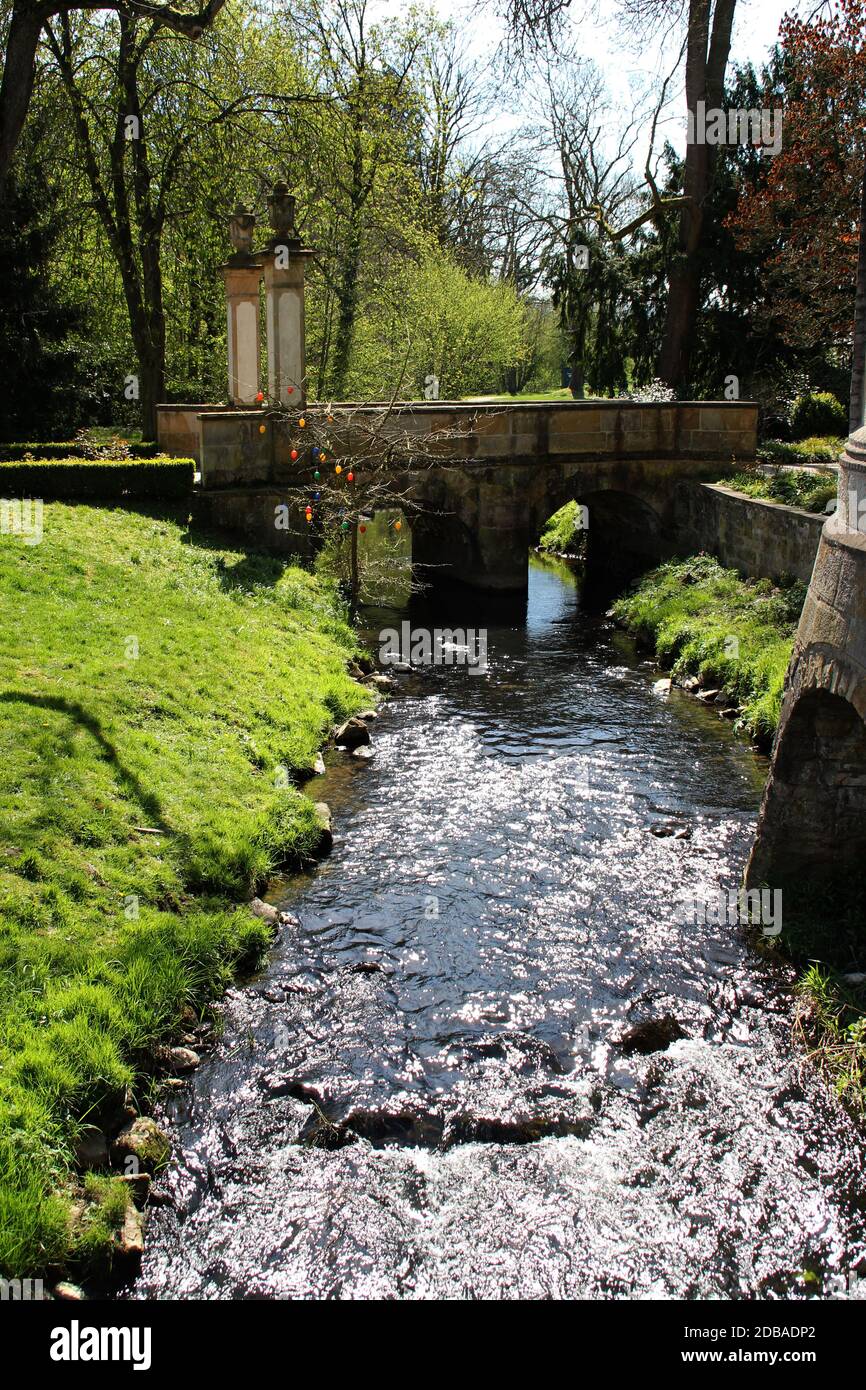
column 152, row 391
column 355, row 580
column 706, row 63
column 18, row 73
column 347, row 302
column 857, row 409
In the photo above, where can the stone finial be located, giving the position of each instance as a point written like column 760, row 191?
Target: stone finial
column 281, row 206
column 241, row 227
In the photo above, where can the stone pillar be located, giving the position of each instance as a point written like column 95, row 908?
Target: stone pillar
column 244, row 336
column 242, row 275
column 285, row 270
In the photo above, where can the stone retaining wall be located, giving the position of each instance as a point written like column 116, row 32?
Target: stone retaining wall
column 760, row 539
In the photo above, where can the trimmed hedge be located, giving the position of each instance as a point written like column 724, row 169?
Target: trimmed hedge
column 74, row 479
column 71, row 449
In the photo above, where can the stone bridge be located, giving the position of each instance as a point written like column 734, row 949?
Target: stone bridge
column 484, row 477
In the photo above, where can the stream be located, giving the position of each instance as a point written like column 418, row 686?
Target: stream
column 424, row 1094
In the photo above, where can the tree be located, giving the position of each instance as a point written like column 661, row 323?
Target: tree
column 347, row 470
column 805, row 218
column 45, row 379
column 857, row 411
column 141, row 111
column 584, row 261
column 27, row 19
column 438, row 321
column 364, row 72
column 707, row 47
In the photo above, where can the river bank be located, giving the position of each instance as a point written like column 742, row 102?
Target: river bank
column 717, row 632
column 164, row 699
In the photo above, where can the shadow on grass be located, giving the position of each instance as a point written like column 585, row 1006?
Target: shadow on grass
column 151, row 808
column 254, row 569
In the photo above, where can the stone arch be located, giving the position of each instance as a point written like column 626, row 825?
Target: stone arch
column 625, row 532
column 813, row 823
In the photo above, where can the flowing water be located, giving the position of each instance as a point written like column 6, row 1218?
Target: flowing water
column 423, row 1095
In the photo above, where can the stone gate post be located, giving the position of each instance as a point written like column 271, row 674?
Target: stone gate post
column 242, row 274
column 285, row 269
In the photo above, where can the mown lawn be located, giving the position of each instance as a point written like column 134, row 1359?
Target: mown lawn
column 703, row 620
column 148, row 682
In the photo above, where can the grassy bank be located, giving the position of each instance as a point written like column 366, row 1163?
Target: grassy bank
column 158, row 694
column 824, row 448
column 562, row 533
column 823, row 936
column 733, row 634
column 794, row 487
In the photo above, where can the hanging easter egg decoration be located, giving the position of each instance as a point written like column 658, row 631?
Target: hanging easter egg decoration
column 338, row 468
column 316, row 474
column 344, row 526
column 362, row 529
column 309, row 516
column 260, row 396
column 263, row 429
column 301, row 422
column 350, row 477
column 316, row 496
column 289, row 390
column 397, row 525
column 315, row 453
column 322, row 456
column 293, row 455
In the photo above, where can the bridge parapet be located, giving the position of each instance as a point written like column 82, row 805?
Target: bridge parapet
column 234, row 451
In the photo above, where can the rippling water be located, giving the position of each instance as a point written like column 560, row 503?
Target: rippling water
column 423, row 1095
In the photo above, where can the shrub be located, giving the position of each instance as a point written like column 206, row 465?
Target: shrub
column 795, row 488
column 818, row 413
column 75, row 479
column 80, row 448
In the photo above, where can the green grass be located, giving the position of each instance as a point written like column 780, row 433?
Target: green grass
column 823, row 936
column 559, row 394
column 795, row 488
column 110, row 935
column 705, row 621
column 817, row 449
column 562, row 534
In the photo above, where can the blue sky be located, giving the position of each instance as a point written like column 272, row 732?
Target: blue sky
column 625, row 68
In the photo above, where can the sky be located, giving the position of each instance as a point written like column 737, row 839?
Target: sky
column 756, row 29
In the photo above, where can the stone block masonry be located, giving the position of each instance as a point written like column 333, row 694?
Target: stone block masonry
column 761, row 539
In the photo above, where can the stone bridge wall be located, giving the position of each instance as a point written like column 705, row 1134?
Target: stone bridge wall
column 760, row 539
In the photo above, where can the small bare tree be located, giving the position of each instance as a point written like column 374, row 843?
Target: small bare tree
column 352, row 463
